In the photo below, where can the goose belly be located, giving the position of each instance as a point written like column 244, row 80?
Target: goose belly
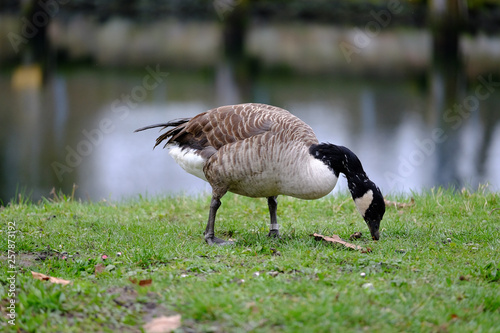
column 302, row 177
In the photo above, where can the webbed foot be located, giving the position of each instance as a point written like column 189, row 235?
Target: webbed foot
column 217, row 241
column 274, row 234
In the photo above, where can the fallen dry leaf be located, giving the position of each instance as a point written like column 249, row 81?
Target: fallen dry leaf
column 396, row 204
column 99, row 268
column 141, row 283
column 145, row 282
column 43, row 277
column 355, row 235
column 275, row 252
column 163, row 324
column 338, row 240
column 273, row 273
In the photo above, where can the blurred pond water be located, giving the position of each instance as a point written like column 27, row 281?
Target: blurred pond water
column 78, row 129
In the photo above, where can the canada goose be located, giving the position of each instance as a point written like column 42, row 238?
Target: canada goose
column 259, row 150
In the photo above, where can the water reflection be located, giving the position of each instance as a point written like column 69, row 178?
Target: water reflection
column 50, row 136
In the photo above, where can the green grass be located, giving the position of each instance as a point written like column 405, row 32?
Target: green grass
column 436, row 267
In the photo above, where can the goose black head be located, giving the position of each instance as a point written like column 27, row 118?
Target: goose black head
column 370, row 205
column 366, row 195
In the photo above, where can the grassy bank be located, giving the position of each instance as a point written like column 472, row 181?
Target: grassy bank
column 436, row 267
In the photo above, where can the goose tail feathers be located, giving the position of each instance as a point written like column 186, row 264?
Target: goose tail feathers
column 176, row 124
column 172, row 123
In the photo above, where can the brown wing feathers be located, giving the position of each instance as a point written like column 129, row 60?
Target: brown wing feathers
column 223, row 125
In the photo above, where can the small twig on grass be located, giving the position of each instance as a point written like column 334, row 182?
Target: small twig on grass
column 396, row 204
column 55, row 197
column 337, row 208
column 73, row 192
column 493, row 210
column 338, row 240
column 419, row 306
column 43, row 277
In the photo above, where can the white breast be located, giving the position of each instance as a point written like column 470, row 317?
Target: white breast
column 310, row 180
column 189, row 160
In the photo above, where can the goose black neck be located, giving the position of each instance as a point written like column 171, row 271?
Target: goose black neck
column 366, row 195
column 342, row 160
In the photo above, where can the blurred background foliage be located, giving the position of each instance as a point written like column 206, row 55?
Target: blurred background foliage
column 380, row 77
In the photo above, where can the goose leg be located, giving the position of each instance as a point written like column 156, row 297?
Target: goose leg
column 209, row 231
column 273, row 207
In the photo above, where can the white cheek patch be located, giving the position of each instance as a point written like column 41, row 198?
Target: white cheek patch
column 364, row 202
